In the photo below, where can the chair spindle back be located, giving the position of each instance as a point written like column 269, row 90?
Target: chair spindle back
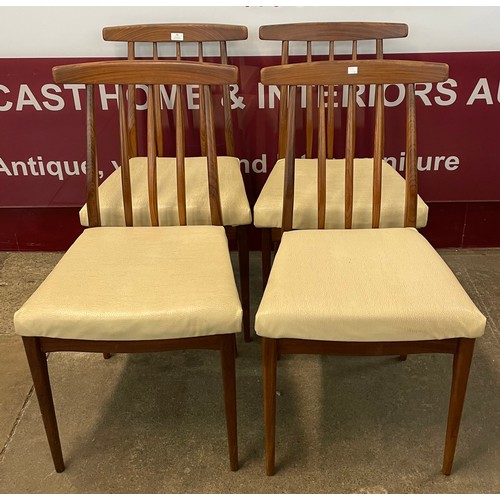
column 331, row 33
column 125, row 74
column 178, row 34
column 352, row 73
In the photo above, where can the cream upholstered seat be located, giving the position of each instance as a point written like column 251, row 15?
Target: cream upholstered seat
column 234, row 203
column 135, row 288
column 345, row 285
column 367, row 292
column 268, row 209
column 137, row 283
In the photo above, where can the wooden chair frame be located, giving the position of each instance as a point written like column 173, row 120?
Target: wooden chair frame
column 330, row 32
column 169, row 33
column 151, row 73
column 37, row 347
column 367, row 72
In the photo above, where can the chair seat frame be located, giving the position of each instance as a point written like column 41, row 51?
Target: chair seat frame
column 461, row 348
column 37, row 347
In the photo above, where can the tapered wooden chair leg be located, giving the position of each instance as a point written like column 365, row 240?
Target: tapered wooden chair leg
column 235, row 347
column 106, row 355
column 403, row 357
column 37, row 361
column 266, row 255
column 229, row 382
column 269, row 357
column 244, row 265
column 461, row 368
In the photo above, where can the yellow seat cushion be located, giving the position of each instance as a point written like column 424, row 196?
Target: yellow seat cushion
column 268, row 208
column 137, row 283
column 364, row 285
column 235, row 207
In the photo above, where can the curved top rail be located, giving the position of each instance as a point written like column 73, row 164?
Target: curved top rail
column 175, row 32
column 146, row 72
column 333, row 31
column 355, row 72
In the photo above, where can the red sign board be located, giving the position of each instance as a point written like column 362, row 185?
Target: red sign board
column 42, row 139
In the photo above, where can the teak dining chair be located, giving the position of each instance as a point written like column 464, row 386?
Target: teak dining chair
column 139, row 289
column 177, row 41
column 378, row 291
column 325, row 41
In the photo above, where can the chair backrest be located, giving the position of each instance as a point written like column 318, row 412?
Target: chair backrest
column 330, row 33
column 153, row 74
column 353, row 73
column 178, row 34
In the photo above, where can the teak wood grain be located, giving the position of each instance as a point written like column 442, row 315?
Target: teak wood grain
column 378, row 153
column 411, row 159
column 125, row 155
column 283, row 105
column 180, row 156
column 92, row 170
column 192, row 32
column 333, row 31
column 213, row 173
column 331, row 107
column 309, row 109
column 146, row 72
column 359, row 72
column 131, row 116
column 321, row 162
column 152, row 165
column 350, row 148
column 289, row 179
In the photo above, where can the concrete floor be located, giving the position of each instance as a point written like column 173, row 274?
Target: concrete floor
column 154, row 423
